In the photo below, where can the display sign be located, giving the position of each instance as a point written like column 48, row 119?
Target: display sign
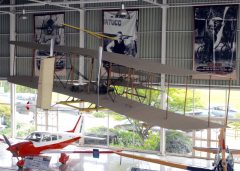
column 215, row 30
column 95, row 153
column 37, row 162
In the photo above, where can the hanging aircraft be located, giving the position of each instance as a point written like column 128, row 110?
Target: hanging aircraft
column 38, row 143
column 108, row 97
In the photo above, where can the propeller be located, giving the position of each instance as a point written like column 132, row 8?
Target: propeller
column 7, row 141
column 14, row 153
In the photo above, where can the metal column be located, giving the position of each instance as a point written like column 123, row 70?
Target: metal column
column 81, row 63
column 12, row 67
column 163, row 61
column 81, row 42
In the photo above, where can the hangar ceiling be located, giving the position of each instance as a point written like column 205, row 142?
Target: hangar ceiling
column 30, row 5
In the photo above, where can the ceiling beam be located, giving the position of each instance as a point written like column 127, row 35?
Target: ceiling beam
column 89, row 1
column 56, row 4
column 62, row 3
column 153, row 2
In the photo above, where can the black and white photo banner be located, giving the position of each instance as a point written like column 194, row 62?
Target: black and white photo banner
column 215, row 30
column 49, row 27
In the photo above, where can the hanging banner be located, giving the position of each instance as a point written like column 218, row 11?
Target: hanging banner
column 123, row 29
column 49, row 27
column 215, row 42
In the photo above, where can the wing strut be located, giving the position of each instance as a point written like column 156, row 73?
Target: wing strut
column 100, row 53
column 229, row 91
column 185, row 100
column 209, row 99
column 223, row 131
column 167, row 95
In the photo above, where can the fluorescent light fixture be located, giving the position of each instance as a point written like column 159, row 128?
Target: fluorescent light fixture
column 122, row 13
column 24, row 15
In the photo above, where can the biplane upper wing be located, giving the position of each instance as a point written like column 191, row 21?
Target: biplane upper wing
column 127, row 107
column 124, row 60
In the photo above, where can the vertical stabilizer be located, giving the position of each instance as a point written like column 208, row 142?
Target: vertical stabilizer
column 77, row 125
column 45, row 83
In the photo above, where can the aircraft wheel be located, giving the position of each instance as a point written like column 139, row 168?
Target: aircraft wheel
column 20, row 164
column 63, row 158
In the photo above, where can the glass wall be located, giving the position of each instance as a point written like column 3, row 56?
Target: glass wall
column 132, row 134
column 217, row 106
column 25, row 105
column 95, row 127
column 5, row 109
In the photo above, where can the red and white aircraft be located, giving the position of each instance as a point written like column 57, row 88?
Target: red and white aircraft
column 38, row 143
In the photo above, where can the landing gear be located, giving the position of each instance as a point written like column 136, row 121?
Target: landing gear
column 20, row 163
column 63, row 158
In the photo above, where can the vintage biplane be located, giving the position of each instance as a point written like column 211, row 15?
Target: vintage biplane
column 108, row 97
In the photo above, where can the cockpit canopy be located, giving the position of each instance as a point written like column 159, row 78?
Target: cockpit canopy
column 43, row 137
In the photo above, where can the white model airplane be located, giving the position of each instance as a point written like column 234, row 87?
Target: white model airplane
column 38, row 143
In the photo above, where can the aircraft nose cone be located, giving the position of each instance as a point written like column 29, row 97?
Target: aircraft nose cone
column 11, row 148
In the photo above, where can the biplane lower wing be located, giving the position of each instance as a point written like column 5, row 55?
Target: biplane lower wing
column 163, row 162
column 127, row 107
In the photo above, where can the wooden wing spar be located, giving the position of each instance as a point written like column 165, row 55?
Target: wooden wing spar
column 124, row 60
column 163, row 162
column 215, row 150
column 127, row 107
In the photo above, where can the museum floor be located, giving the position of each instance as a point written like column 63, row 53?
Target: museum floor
column 106, row 162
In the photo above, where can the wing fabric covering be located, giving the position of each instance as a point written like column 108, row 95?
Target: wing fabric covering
column 45, row 84
column 129, row 108
column 127, row 61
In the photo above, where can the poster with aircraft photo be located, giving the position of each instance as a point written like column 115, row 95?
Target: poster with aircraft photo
column 215, row 33
column 49, row 27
